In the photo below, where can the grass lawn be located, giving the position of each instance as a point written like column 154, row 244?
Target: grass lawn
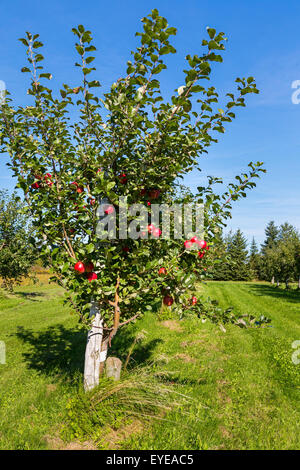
column 236, row 390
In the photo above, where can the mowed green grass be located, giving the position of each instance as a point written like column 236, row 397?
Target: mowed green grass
column 242, row 385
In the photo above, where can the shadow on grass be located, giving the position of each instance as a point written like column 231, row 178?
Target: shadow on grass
column 54, row 351
column 30, row 295
column 290, row 295
column 142, row 352
column 60, row 351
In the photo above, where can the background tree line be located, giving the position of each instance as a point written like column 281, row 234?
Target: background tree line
column 278, row 259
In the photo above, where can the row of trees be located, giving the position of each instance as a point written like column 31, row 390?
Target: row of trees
column 277, row 260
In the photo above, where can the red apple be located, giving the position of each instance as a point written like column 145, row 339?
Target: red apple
column 150, row 228
column 154, row 193
column 125, row 249
column 47, row 176
column 35, row 186
column 148, row 203
column 92, row 202
column 109, row 210
column 202, row 243
column 123, row 178
column 168, row 300
column 162, row 271
column 79, row 189
column 89, row 267
column 200, row 254
column 194, row 240
column 187, row 244
column 156, row 232
column 194, row 300
column 91, row 276
column 79, row 267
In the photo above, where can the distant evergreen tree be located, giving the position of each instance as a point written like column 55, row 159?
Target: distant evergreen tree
column 287, row 232
column 235, row 265
column 254, row 260
column 271, row 233
column 238, row 253
column 253, row 248
column 221, row 270
column 265, row 268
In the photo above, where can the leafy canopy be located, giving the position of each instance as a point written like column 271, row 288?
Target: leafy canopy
column 119, row 145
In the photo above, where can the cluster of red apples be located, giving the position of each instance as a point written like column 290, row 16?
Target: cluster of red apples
column 188, row 244
column 87, row 268
column 202, row 244
column 41, row 181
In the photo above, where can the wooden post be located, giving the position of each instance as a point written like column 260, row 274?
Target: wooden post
column 93, row 355
column 113, row 367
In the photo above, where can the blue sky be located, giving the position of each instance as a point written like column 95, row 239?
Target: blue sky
column 264, row 42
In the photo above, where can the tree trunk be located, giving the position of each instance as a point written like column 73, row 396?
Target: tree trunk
column 273, row 280
column 96, row 350
column 299, row 282
column 278, row 283
column 287, row 284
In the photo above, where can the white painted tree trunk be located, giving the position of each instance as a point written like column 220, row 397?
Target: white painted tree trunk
column 273, row 280
column 93, row 353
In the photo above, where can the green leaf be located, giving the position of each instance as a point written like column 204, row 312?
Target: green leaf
column 211, row 32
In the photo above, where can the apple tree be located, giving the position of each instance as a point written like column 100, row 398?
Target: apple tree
column 73, row 151
column 17, row 255
column 281, row 258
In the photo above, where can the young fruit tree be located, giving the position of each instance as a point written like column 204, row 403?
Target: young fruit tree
column 281, row 258
column 17, row 255
column 130, row 143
